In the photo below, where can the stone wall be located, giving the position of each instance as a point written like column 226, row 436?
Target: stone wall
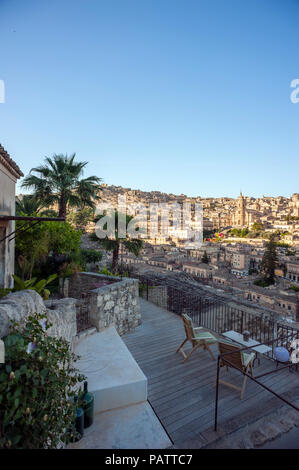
column 81, row 283
column 62, row 314
column 115, row 304
column 19, row 305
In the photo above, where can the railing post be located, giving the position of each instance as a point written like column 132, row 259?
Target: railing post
column 217, row 394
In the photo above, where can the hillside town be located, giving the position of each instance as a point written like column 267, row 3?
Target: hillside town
column 270, row 213
column 225, row 262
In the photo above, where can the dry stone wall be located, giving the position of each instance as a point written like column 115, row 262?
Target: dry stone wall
column 115, row 304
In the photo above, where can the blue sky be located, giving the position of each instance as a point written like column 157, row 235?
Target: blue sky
column 181, row 96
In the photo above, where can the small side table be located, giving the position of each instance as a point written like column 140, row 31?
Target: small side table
column 238, row 338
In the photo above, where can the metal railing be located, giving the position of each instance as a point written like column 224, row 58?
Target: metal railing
column 224, row 359
column 83, row 313
column 216, row 314
column 219, row 316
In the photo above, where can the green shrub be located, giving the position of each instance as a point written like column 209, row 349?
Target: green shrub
column 80, row 218
column 32, row 284
column 37, row 383
column 262, row 283
column 40, row 242
column 63, row 237
column 105, row 271
column 294, row 288
column 91, row 256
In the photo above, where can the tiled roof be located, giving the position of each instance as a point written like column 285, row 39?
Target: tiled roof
column 8, row 162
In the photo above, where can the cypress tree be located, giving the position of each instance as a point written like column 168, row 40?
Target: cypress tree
column 269, row 261
column 205, row 258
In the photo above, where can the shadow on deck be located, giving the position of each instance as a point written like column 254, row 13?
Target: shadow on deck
column 183, row 395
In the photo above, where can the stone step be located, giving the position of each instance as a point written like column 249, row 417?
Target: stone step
column 113, row 375
column 130, row 427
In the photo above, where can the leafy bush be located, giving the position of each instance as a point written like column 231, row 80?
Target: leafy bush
column 80, row 218
column 262, row 283
column 44, row 240
column 238, row 232
column 257, row 227
column 106, row 272
column 63, row 237
column 294, row 288
column 91, row 256
column 33, row 284
column 32, row 247
column 37, row 383
column 283, row 244
column 69, row 269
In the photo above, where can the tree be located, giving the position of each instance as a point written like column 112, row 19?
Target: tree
column 244, row 232
column 58, row 182
column 132, row 245
column 27, row 205
column 257, row 227
column 205, row 258
column 269, row 261
column 34, row 245
column 81, row 218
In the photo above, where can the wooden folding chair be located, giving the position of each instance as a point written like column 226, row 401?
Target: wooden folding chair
column 243, row 361
column 198, row 339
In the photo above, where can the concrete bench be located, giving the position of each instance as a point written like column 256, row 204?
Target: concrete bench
column 113, row 374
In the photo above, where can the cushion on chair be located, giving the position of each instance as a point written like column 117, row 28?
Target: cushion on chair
column 247, row 358
column 205, row 335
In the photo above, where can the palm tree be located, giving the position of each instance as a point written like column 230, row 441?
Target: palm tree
column 27, row 204
column 58, row 182
column 132, row 245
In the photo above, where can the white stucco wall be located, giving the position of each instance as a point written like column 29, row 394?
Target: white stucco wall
column 7, row 207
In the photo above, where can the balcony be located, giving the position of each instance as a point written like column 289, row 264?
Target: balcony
column 183, row 394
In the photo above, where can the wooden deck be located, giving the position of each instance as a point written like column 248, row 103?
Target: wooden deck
column 183, row 395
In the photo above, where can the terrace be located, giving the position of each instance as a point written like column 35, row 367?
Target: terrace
column 177, row 404
column 183, row 394
column 140, row 383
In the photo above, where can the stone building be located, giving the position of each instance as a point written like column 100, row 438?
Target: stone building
column 295, row 205
column 292, row 271
column 9, row 174
column 201, row 270
column 240, row 262
column 245, row 216
column 239, row 216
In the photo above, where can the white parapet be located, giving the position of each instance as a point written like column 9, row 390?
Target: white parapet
column 113, row 374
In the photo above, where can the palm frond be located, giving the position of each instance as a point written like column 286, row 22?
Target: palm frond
column 58, row 180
